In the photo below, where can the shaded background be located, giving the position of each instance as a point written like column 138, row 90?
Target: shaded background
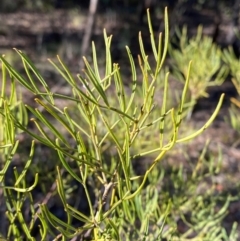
column 43, row 28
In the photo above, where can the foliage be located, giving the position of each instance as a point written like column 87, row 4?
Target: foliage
column 93, row 135
column 234, row 65
column 207, row 69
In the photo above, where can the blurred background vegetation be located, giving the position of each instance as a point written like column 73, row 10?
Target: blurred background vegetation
column 57, row 26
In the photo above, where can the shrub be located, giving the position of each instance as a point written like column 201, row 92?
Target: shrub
column 207, row 68
column 93, row 135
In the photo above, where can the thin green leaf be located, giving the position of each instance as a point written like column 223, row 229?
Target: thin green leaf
column 207, row 124
column 95, row 81
column 107, row 40
column 16, row 75
column 66, row 165
column 166, row 40
column 153, row 44
column 8, row 161
column 26, row 167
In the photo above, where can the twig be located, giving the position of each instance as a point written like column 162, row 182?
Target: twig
column 88, row 29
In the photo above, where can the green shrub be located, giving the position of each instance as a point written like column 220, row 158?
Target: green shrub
column 234, row 66
column 207, row 68
column 96, row 136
